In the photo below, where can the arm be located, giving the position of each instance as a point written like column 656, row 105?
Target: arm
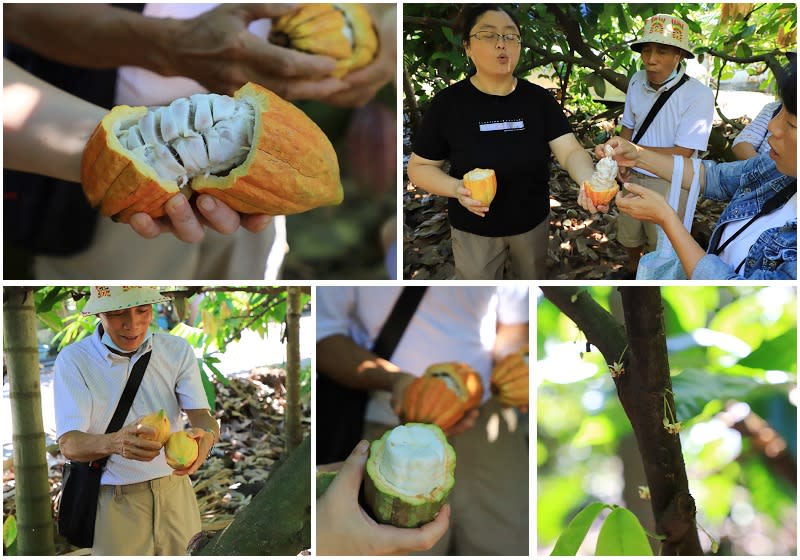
column 572, row 157
column 127, row 442
column 744, row 150
column 428, row 174
column 510, row 338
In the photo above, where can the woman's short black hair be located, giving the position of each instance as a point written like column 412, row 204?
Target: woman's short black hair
column 788, row 87
column 471, row 12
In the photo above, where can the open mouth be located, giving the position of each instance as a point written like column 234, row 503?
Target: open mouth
column 502, row 59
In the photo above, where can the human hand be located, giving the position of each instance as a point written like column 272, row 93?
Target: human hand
column 345, row 529
column 205, row 440
column 400, row 385
column 186, row 221
column 467, row 421
column 624, row 153
column 217, row 50
column 464, row 196
column 623, row 173
column 644, row 204
column 365, row 82
column 586, row 203
column 130, row 442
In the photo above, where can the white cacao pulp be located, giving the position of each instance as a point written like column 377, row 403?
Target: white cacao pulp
column 205, row 134
column 413, row 461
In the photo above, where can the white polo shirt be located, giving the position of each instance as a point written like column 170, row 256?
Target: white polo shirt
column 450, row 324
column 89, row 380
column 685, row 119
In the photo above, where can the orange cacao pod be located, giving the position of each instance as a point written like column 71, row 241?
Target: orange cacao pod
column 443, row 394
column 510, row 379
column 600, row 197
column 482, row 183
column 256, row 152
column 342, row 31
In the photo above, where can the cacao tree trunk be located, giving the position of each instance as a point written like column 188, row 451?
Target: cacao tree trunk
column 34, row 510
column 277, row 522
column 645, row 391
column 293, row 308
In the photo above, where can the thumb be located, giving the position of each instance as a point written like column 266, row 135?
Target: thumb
column 634, row 188
column 352, row 472
column 262, row 10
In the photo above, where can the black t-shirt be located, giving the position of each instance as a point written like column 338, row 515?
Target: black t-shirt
column 509, row 134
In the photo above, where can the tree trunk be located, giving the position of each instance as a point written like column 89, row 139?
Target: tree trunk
column 277, row 522
column 645, row 391
column 34, row 510
column 293, row 308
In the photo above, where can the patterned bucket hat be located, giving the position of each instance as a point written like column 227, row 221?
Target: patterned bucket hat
column 665, row 30
column 113, row 298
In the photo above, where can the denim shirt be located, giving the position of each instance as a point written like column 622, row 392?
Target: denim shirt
column 749, row 184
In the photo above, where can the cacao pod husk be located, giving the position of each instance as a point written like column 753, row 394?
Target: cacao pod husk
column 600, row 197
column 510, row 379
column 443, row 394
column 160, row 423
column 482, row 184
column 181, row 450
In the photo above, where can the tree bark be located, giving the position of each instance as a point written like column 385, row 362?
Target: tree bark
column 278, row 520
column 644, row 389
column 34, row 510
column 293, row 308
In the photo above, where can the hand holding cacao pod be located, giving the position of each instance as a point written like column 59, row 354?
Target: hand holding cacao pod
column 159, row 422
column 443, row 395
column 181, row 450
column 344, row 32
column 255, row 152
column 510, row 379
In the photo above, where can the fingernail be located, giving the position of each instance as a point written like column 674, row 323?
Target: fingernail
column 176, row 202
column 361, row 448
column 206, row 203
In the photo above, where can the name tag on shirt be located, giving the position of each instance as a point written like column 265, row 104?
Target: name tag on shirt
column 502, row 126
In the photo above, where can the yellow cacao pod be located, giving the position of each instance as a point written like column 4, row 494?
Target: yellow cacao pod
column 160, row 423
column 181, row 450
column 254, row 151
column 443, row 394
column 482, row 183
column 510, row 379
column 344, row 32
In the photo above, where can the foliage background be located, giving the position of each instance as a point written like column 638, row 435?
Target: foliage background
column 727, row 345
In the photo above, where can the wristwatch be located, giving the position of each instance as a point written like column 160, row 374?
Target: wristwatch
column 213, row 441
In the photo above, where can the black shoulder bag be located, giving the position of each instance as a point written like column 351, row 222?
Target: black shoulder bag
column 662, row 99
column 80, row 485
column 340, row 409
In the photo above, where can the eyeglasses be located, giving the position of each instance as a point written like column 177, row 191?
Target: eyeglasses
column 494, row 36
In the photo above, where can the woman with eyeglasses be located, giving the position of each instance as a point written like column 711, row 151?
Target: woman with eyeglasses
column 494, row 120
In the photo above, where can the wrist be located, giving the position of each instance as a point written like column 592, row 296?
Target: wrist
column 161, row 34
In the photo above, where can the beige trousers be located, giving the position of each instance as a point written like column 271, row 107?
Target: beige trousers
column 634, row 233
column 484, row 258
column 157, row 517
column 489, row 502
column 117, row 253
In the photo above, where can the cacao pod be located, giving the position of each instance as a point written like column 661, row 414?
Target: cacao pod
column 181, row 450
column 600, row 197
column 160, row 423
column 443, row 394
column 482, row 183
column 510, row 379
column 256, row 152
column 344, row 32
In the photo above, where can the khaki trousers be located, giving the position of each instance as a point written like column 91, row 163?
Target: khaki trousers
column 634, row 233
column 489, row 502
column 484, row 258
column 157, row 517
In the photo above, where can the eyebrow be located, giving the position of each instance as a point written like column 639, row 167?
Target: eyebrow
column 490, row 26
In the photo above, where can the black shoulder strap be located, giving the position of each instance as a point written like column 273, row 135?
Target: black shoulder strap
column 395, row 325
column 662, row 99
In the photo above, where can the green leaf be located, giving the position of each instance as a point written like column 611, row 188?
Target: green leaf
column 693, row 388
column 9, row 530
column 779, row 353
column 570, row 540
column 622, row 535
column 53, row 297
column 451, row 37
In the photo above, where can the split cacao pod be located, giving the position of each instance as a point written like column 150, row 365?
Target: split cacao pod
column 160, row 423
column 256, row 152
column 600, row 197
column 344, row 32
column 443, row 394
column 510, row 379
column 181, row 450
column 482, row 183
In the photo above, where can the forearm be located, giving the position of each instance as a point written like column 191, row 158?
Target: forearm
column 202, row 419
column 579, row 165
column 83, row 447
column 661, row 164
column 45, row 128
column 90, row 35
column 510, row 338
column 687, row 249
column 433, row 179
column 744, row 150
column 356, row 367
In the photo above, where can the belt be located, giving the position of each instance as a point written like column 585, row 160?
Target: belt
column 148, row 485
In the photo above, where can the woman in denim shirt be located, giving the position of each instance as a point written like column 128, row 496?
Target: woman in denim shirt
column 767, row 247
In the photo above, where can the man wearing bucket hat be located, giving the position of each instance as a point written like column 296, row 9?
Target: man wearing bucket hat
column 144, row 506
column 681, row 126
